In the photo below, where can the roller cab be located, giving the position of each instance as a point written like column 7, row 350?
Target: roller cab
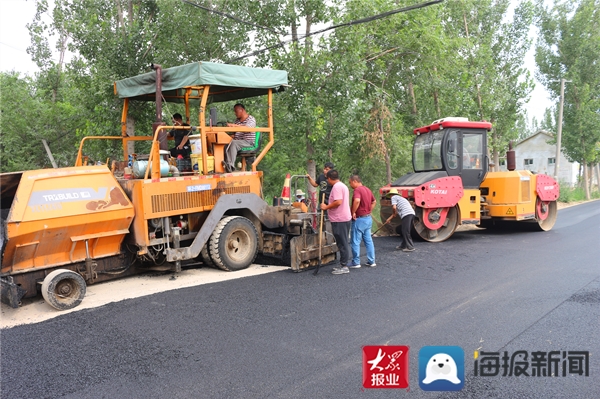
column 451, row 184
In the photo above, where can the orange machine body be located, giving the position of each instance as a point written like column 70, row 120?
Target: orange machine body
column 56, row 212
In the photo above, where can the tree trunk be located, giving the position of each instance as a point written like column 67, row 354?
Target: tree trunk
column 479, row 102
column 61, row 60
column 591, row 177
column 489, row 159
column 294, row 27
column 585, row 180
column 130, row 123
column 437, row 104
column 308, row 40
column 121, row 23
column 311, row 170
column 590, row 174
column 130, row 11
column 386, row 154
column 495, row 152
column 598, row 176
column 330, row 137
column 411, row 92
column 436, row 100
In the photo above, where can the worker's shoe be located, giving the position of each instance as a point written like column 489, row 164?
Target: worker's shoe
column 371, row 264
column 227, row 168
column 354, row 266
column 407, row 249
column 341, row 270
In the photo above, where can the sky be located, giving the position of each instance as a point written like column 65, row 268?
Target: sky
column 14, row 40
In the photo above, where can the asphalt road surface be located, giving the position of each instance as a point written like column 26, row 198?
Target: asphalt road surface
column 286, row 335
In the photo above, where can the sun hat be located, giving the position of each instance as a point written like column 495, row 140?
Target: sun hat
column 299, row 192
column 392, row 192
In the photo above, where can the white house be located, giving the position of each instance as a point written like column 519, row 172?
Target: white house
column 535, row 154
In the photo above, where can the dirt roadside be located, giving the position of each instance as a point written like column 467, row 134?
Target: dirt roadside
column 35, row 310
column 562, row 205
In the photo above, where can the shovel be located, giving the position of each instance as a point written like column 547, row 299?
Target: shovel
column 320, row 237
column 386, row 222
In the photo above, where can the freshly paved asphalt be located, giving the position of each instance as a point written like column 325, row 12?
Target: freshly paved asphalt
column 286, row 335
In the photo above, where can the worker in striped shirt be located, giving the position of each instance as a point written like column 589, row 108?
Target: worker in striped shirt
column 240, row 139
column 406, row 212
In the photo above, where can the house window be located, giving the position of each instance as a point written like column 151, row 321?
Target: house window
column 551, row 161
column 528, row 161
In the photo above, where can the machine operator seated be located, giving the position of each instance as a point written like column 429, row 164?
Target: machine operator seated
column 240, row 139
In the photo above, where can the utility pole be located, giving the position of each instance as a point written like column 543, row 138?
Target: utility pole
column 49, row 154
column 559, row 127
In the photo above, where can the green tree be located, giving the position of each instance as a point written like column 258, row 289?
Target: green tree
column 492, row 70
column 317, row 116
column 356, row 92
column 19, row 148
column 30, row 114
column 569, row 47
column 121, row 38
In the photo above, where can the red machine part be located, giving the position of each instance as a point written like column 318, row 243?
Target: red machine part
column 444, row 192
column 542, row 209
column 404, row 192
column 433, row 219
column 442, row 124
column 547, row 188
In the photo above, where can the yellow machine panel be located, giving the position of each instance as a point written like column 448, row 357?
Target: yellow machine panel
column 511, row 195
column 470, row 206
column 55, row 212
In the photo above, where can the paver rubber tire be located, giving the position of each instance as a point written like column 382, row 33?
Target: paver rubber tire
column 233, row 245
column 63, row 289
column 205, row 256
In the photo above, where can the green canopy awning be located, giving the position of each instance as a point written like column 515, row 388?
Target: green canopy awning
column 228, row 82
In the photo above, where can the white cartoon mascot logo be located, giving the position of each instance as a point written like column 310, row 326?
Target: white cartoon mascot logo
column 441, row 367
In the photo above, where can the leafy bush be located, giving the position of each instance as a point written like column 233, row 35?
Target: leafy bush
column 574, row 194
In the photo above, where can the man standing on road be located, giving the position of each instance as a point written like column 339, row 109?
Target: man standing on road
column 363, row 202
column 338, row 209
column 406, row 212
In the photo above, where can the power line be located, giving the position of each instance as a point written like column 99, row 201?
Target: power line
column 231, row 17
column 281, row 43
column 355, row 22
column 14, row 48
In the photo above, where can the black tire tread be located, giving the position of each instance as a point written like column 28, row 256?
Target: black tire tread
column 205, row 256
column 215, row 238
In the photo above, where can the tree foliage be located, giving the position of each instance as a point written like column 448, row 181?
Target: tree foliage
column 569, row 48
column 356, row 92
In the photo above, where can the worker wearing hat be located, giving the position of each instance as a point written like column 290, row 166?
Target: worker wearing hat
column 404, row 209
column 300, row 201
column 300, row 195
